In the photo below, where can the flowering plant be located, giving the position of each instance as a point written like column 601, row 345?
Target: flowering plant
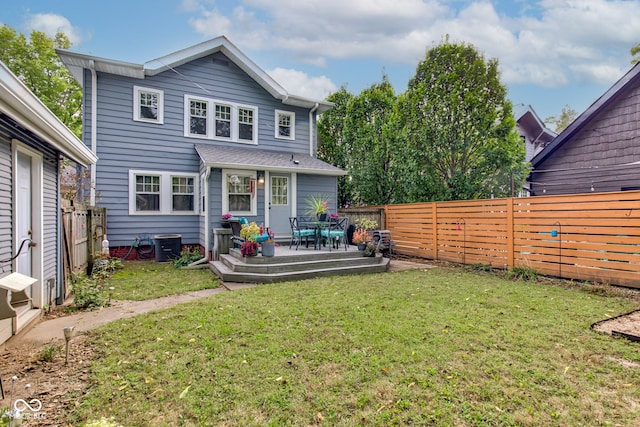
column 250, row 232
column 249, row 248
column 359, row 236
column 227, row 216
column 334, row 216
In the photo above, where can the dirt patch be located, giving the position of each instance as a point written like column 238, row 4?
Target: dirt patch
column 627, row 324
column 56, row 385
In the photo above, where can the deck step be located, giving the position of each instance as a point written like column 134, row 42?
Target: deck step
column 228, row 274
column 292, row 264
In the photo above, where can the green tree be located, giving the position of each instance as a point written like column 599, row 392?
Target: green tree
column 331, row 146
column 372, row 130
column 461, row 132
column 37, row 65
column 567, row 115
column 635, row 53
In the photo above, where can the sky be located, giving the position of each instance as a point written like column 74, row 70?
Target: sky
column 552, row 53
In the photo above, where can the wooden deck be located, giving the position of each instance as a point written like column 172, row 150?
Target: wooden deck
column 291, row 264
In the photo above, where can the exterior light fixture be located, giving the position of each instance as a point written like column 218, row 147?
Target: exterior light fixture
column 260, row 177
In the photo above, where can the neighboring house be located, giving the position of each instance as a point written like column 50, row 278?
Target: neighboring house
column 534, row 134
column 532, row 130
column 32, row 141
column 196, row 134
column 600, row 150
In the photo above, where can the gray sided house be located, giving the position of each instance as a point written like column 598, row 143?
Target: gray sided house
column 600, row 150
column 32, row 141
column 196, row 134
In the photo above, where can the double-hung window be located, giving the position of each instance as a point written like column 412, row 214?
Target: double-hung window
column 285, row 125
column 238, row 190
column 162, row 193
column 148, row 105
column 221, row 120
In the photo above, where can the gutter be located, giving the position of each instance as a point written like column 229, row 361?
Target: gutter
column 315, row 107
column 94, row 130
column 205, row 191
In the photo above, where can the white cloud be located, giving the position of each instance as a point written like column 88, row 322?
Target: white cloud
column 50, row 24
column 301, row 84
column 551, row 43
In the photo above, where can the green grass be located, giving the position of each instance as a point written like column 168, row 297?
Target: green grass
column 438, row 347
column 142, row 280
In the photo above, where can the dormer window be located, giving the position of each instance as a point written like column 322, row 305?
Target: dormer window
column 148, row 105
column 285, row 125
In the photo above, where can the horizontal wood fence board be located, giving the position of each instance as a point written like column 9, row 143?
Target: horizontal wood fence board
column 597, row 235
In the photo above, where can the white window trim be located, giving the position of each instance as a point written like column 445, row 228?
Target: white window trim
column 293, row 125
column 226, row 173
column 211, row 107
column 136, row 105
column 165, row 192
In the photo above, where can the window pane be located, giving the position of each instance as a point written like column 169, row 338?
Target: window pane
column 198, row 117
column 148, row 105
column 183, row 193
column 148, row 202
column 245, row 124
column 223, row 121
column 240, row 203
column 182, row 202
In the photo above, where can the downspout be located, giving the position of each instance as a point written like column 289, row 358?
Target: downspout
column 94, row 130
column 205, row 191
column 311, row 127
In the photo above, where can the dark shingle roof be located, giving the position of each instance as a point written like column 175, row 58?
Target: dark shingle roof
column 253, row 158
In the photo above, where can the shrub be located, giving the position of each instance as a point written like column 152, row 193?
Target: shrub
column 86, row 293
column 366, row 223
column 187, row 256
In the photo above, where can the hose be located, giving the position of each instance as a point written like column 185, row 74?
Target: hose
column 144, row 244
column 3, row 261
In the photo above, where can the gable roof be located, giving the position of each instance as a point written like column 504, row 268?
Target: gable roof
column 626, row 81
column 19, row 103
column 76, row 62
column 530, row 122
column 275, row 161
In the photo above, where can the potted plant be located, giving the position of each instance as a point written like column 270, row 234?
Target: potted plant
column 318, row 206
column 368, row 225
column 360, row 238
column 225, row 220
column 370, row 250
column 249, row 232
column 269, row 245
column 249, row 248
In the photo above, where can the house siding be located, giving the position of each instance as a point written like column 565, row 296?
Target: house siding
column 50, row 222
column 125, row 144
column 599, row 154
column 6, row 206
column 313, row 184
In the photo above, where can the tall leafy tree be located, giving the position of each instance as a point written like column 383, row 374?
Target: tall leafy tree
column 36, row 63
column 331, row 146
column 461, row 132
column 372, row 129
column 635, row 53
column 567, row 115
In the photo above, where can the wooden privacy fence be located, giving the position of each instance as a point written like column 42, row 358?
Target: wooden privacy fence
column 592, row 237
column 83, row 230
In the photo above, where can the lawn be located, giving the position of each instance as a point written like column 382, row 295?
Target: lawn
column 142, row 280
column 444, row 347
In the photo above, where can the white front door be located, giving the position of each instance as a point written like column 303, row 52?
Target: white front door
column 23, row 228
column 279, row 204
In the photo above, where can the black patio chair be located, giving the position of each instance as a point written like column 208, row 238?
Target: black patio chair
column 300, row 229
column 336, row 232
column 236, row 239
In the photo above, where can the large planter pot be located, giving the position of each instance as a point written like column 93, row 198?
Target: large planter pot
column 322, row 217
column 268, row 249
column 361, row 246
